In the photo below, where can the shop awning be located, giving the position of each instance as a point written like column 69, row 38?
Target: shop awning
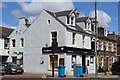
column 65, row 49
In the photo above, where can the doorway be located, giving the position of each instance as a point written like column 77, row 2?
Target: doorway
column 107, row 62
column 83, row 63
column 61, row 61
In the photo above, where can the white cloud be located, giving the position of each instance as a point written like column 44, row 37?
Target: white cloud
column 103, row 18
column 2, row 5
column 36, row 7
column 6, row 25
column 81, row 14
column 17, row 13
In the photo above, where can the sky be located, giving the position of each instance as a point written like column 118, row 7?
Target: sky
column 107, row 12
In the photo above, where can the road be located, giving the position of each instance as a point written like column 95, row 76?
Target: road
column 24, row 78
column 36, row 77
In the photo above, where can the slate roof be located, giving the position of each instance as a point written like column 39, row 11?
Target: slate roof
column 82, row 19
column 100, row 36
column 5, row 32
column 77, row 28
column 63, row 13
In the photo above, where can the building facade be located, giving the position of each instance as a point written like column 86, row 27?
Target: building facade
column 72, row 32
column 30, row 44
column 107, row 48
column 17, row 42
column 4, row 43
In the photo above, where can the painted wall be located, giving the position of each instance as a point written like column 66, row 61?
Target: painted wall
column 17, row 34
column 1, row 43
column 2, row 50
column 38, row 36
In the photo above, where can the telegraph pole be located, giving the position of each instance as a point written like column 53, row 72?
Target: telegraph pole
column 96, row 35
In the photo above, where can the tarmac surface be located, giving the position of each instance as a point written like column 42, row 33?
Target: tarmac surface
column 27, row 76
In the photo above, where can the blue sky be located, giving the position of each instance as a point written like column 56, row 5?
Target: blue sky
column 12, row 10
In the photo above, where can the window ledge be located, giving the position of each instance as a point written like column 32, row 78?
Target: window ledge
column 51, row 70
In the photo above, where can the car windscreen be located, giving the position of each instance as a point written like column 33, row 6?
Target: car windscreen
column 12, row 64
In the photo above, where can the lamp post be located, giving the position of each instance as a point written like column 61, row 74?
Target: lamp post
column 54, row 49
column 96, row 36
column 105, row 60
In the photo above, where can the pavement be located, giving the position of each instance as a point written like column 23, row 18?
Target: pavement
column 102, row 75
column 30, row 75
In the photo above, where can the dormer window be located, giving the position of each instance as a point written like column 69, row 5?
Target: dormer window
column 68, row 20
column 71, row 20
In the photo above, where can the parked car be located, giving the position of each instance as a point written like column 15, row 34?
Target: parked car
column 115, row 68
column 2, row 69
column 11, row 68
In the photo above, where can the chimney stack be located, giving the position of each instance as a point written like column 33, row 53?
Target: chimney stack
column 113, row 32
column 24, row 21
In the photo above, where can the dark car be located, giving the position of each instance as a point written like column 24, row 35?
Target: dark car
column 115, row 68
column 11, row 68
column 2, row 69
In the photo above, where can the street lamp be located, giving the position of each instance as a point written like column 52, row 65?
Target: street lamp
column 104, row 60
column 96, row 36
column 54, row 49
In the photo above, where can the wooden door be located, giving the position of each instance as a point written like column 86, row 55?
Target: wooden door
column 61, row 61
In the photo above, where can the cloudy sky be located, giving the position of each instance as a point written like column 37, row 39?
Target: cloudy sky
column 107, row 12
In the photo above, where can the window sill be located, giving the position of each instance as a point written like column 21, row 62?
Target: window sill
column 51, row 69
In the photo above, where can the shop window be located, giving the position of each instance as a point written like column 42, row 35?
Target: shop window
column 55, row 61
column 73, row 60
column 91, row 59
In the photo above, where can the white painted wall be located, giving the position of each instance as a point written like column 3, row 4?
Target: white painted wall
column 87, row 42
column 2, row 50
column 68, row 39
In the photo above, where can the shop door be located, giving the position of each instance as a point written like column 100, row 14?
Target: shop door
column 61, row 61
column 83, row 63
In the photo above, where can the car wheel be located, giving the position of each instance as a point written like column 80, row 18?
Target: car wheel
column 9, row 72
column 114, row 73
column 22, row 72
column 2, row 74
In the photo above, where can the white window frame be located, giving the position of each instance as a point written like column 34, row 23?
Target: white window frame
column 22, row 42
column 51, row 36
column 49, row 23
column 12, row 43
column 50, row 68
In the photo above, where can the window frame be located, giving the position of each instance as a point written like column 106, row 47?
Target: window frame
column 68, row 20
column 49, row 62
column 73, row 38
column 83, row 41
column 73, row 62
column 6, row 43
column 49, row 21
column 21, row 42
column 54, row 38
column 13, row 43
